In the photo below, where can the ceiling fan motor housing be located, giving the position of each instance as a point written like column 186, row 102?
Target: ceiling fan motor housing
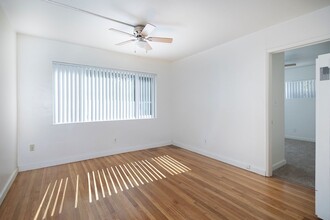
column 137, row 31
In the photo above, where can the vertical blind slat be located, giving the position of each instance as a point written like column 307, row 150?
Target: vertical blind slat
column 69, row 101
column 56, row 94
column 107, row 92
column 112, row 97
column 99, row 91
column 104, row 81
column 65, row 96
column 125, row 96
column 73, row 96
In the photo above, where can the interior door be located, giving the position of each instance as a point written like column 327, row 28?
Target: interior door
column 322, row 175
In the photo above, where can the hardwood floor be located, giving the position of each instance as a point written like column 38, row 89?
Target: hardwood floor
column 195, row 187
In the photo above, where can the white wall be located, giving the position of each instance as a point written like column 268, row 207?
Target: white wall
column 8, row 107
column 221, row 94
column 56, row 144
column 300, row 113
column 277, row 111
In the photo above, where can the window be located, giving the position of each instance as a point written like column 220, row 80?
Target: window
column 300, row 89
column 87, row 94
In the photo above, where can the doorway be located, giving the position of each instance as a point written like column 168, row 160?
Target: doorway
column 292, row 110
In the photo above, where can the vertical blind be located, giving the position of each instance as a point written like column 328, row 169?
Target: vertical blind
column 86, row 94
column 300, row 89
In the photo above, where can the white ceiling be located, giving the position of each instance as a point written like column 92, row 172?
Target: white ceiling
column 195, row 25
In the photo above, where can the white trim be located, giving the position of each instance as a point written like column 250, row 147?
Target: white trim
column 300, row 138
column 229, row 161
column 279, row 164
column 268, row 114
column 32, row 166
column 8, row 185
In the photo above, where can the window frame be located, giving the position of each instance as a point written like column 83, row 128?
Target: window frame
column 108, row 72
column 299, row 89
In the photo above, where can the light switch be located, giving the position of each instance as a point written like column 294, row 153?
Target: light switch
column 324, row 73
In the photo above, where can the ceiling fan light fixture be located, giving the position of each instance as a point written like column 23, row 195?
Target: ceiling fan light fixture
column 143, row 44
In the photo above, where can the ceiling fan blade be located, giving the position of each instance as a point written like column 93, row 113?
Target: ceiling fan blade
column 147, row 46
column 122, row 32
column 143, row 44
column 86, row 12
column 125, row 42
column 160, row 39
column 148, row 29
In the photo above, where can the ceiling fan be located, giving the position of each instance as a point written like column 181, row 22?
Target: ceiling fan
column 140, row 34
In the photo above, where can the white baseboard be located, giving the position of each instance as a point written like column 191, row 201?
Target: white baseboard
column 222, row 159
column 32, row 166
column 300, row 138
column 10, row 181
column 279, row 164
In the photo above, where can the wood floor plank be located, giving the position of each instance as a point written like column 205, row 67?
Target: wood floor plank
column 160, row 183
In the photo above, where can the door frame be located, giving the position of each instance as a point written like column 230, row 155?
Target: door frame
column 269, row 95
